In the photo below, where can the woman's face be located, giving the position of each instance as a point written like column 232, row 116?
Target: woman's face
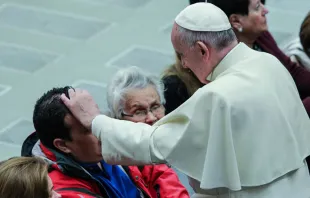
column 255, row 22
column 53, row 194
column 143, row 105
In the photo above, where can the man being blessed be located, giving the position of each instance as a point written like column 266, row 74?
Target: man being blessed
column 245, row 134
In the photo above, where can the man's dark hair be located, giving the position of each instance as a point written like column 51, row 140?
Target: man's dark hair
column 49, row 117
column 196, row 1
column 230, row 6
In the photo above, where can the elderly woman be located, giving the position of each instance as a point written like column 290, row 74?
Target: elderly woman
column 137, row 97
column 25, row 177
column 248, row 18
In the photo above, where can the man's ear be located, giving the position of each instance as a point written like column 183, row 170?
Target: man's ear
column 203, row 49
column 235, row 21
column 61, row 145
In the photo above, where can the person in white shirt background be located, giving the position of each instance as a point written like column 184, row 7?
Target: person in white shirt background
column 298, row 49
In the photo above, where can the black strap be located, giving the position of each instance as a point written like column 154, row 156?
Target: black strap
column 81, row 190
column 127, row 171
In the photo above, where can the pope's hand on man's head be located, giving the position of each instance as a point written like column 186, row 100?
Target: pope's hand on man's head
column 82, row 106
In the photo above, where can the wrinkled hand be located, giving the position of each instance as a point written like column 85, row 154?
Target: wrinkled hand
column 82, row 106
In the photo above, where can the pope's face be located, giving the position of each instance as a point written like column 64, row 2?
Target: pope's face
column 195, row 58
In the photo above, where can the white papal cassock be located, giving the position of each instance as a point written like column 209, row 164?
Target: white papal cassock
column 246, row 128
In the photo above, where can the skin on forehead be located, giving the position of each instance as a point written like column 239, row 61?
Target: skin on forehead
column 257, row 12
column 84, row 146
column 141, row 98
column 174, row 37
column 253, row 4
column 179, row 47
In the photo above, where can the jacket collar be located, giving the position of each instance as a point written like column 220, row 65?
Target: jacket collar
column 28, row 145
column 235, row 55
column 33, row 147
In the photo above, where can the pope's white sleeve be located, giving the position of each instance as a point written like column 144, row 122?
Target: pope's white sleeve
column 125, row 142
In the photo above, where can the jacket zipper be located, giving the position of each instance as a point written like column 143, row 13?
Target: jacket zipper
column 100, row 185
column 126, row 169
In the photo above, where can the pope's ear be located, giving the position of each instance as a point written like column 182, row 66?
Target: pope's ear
column 203, row 49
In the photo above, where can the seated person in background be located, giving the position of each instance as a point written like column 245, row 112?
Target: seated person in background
column 77, row 167
column 137, row 97
column 298, row 49
column 25, row 177
column 305, row 42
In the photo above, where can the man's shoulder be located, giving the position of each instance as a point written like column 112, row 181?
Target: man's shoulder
column 61, row 180
column 72, row 187
column 257, row 58
column 215, row 91
column 218, row 87
column 228, row 91
column 249, row 54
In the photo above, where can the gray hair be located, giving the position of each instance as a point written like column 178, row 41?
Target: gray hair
column 219, row 40
column 126, row 80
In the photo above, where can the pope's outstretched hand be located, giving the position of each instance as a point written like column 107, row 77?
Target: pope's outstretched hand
column 82, row 106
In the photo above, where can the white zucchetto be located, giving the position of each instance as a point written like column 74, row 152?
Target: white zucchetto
column 203, row 17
